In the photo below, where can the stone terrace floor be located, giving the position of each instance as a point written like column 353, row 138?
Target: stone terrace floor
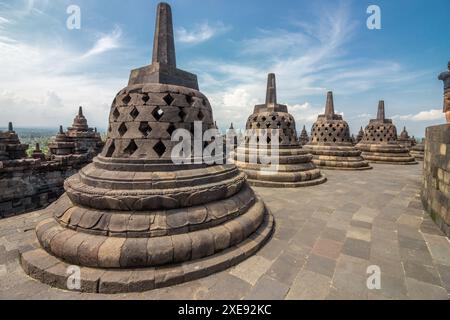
column 326, row 237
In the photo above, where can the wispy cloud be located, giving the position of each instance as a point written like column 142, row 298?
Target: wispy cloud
column 43, row 83
column 105, row 43
column 430, row 115
column 200, row 33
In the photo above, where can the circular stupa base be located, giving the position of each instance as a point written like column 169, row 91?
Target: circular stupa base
column 294, row 170
column 418, row 155
column 337, row 157
column 389, row 161
column 330, row 165
column 274, row 184
column 42, row 266
column 386, row 153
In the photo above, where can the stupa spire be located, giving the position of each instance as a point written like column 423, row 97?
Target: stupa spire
column 329, row 107
column 163, row 69
column 381, row 114
column 80, row 111
column 271, row 95
column 164, row 44
column 10, row 127
column 61, row 130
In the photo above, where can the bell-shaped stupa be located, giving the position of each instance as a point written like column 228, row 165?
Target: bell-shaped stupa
column 380, row 144
column 61, row 145
column 37, row 153
column 405, row 140
column 133, row 220
column 293, row 167
column 331, row 143
column 10, row 146
column 304, row 138
column 360, row 135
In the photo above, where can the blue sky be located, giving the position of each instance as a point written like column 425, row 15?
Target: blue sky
column 312, row 46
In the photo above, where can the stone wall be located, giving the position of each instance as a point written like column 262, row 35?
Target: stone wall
column 29, row 184
column 436, row 176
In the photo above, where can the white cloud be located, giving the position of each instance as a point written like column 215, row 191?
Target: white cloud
column 200, row 33
column 430, row 115
column 105, row 43
column 43, row 84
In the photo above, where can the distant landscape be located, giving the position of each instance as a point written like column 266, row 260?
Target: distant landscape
column 31, row 136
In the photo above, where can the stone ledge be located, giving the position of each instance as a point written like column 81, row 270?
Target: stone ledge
column 300, row 184
column 40, row 265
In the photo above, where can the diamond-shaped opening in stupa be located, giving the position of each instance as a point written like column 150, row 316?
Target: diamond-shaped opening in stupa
column 171, row 129
column 131, row 149
column 123, row 129
column 168, row 99
column 158, row 113
column 126, row 99
column 134, row 113
column 145, row 128
column 182, row 114
column 111, row 150
column 201, row 116
column 116, row 114
column 159, row 148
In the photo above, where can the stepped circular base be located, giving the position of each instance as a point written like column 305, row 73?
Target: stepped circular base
column 337, row 157
column 294, row 169
column 339, row 166
column 48, row 269
column 274, row 184
column 386, row 153
column 417, row 155
column 380, row 158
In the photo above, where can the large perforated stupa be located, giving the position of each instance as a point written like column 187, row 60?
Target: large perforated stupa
column 331, row 143
column 133, row 220
column 380, row 144
column 294, row 167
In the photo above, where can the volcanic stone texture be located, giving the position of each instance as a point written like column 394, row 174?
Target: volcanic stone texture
column 436, row 175
column 331, row 143
column 28, row 184
column 133, row 220
column 380, row 145
column 418, row 151
column 294, row 167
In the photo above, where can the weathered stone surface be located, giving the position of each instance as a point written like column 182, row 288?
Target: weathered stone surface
column 28, row 184
column 134, row 213
column 436, row 177
column 331, row 143
column 380, row 143
column 291, row 166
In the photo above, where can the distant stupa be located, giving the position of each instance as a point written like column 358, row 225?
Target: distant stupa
column 331, row 143
column 380, row 144
column 294, row 168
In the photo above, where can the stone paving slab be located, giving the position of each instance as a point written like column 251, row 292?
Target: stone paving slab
column 326, row 236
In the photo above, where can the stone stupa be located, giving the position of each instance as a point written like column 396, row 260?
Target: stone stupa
column 380, row 145
column 360, row 136
column 37, row 153
column 331, row 143
column 418, row 150
column 133, row 220
column 294, row 168
column 86, row 139
column 11, row 147
column 304, row 138
column 61, row 145
column 405, row 140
